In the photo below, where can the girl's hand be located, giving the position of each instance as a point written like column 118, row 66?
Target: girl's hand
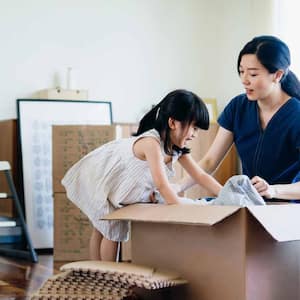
column 263, row 188
column 155, row 196
column 177, row 188
column 152, row 197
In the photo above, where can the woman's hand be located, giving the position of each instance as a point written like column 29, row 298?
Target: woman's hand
column 263, row 188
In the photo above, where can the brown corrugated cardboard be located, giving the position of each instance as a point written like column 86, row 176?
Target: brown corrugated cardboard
column 8, row 152
column 72, row 230
column 224, row 252
column 108, row 280
column 72, row 142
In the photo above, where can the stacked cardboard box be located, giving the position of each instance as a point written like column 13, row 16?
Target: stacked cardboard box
column 72, row 228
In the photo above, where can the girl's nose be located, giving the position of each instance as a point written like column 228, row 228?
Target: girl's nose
column 194, row 133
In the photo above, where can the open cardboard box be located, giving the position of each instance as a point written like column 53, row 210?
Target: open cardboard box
column 225, row 252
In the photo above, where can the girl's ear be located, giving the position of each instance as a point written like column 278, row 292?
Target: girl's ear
column 278, row 75
column 171, row 123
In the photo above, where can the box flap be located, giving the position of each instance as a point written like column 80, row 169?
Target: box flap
column 281, row 221
column 177, row 213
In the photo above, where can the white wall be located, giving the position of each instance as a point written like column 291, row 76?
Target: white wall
column 287, row 27
column 129, row 52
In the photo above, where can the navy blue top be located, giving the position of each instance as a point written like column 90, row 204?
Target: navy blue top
column 272, row 153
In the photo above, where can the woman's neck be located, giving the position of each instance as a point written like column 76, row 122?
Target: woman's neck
column 273, row 101
column 270, row 105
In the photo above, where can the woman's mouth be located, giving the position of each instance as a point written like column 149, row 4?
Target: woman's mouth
column 249, row 91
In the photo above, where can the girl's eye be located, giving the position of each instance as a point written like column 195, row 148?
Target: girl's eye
column 253, row 75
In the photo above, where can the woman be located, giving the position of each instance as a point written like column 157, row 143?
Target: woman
column 264, row 122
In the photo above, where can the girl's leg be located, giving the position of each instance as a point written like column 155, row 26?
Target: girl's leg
column 95, row 245
column 108, row 250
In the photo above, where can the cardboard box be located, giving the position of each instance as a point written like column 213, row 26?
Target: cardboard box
column 9, row 152
column 72, row 230
column 61, row 94
column 225, row 252
column 72, row 142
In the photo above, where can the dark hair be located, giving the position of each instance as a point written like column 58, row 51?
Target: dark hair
column 274, row 55
column 181, row 105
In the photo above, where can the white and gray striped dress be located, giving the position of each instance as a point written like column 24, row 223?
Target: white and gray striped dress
column 109, row 178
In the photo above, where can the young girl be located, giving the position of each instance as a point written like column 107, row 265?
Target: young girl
column 129, row 170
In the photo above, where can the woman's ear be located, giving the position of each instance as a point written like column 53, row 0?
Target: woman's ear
column 171, row 123
column 278, row 75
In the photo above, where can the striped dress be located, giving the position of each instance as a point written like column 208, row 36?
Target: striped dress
column 109, row 178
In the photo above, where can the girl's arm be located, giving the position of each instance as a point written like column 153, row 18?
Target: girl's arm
column 213, row 157
column 149, row 149
column 199, row 175
column 280, row 191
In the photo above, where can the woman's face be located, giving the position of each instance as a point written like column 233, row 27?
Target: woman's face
column 180, row 135
column 256, row 79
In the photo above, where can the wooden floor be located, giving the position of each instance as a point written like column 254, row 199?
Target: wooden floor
column 19, row 278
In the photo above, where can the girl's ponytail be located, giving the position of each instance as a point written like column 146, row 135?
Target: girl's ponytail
column 148, row 120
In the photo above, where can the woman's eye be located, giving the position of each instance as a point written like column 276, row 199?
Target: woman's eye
column 253, row 75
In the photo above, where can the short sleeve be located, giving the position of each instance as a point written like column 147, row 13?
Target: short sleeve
column 227, row 117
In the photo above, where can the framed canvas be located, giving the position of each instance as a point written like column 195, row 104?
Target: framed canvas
column 36, row 118
column 211, row 104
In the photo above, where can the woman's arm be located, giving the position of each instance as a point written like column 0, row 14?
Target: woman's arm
column 213, row 157
column 149, row 149
column 217, row 151
column 280, row 191
column 199, row 175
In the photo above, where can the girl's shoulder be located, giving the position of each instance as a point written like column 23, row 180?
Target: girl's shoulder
column 150, row 133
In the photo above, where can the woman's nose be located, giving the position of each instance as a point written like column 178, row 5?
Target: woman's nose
column 244, row 79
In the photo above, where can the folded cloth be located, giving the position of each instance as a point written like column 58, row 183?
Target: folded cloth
column 238, row 190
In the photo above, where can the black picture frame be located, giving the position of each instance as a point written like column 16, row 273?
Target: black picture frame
column 35, row 120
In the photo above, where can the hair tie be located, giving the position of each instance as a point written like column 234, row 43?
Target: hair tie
column 157, row 113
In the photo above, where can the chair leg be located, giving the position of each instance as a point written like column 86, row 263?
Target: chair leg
column 20, row 253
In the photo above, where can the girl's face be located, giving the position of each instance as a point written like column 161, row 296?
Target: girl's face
column 258, row 82
column 180, row 134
